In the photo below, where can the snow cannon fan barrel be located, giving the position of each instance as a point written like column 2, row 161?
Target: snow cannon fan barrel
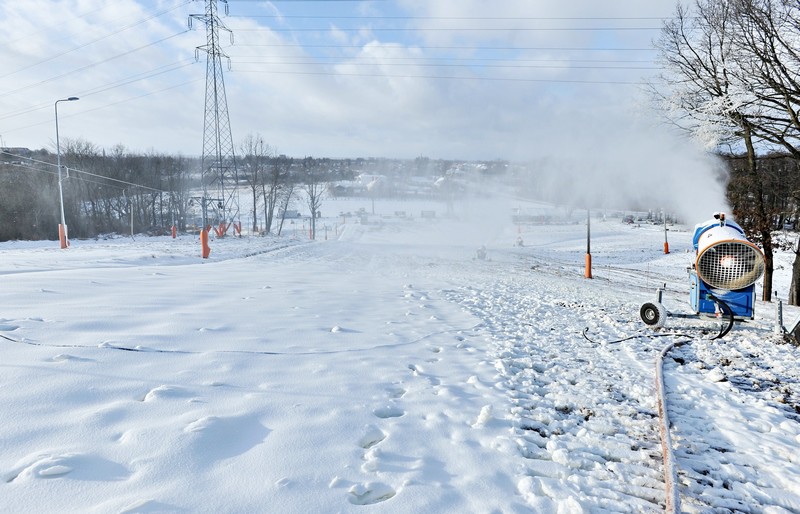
column 726, row 260
column 726, row 269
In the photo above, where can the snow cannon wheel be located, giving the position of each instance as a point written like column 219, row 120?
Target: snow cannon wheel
column 653, row 314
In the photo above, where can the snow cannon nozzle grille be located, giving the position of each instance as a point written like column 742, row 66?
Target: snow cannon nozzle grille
column 725, row 258
column 730, row 265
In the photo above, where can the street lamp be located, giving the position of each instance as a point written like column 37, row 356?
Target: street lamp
column 62, row 227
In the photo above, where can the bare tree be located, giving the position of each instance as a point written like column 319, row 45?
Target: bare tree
column 275, row 181
column 254, row 164
column 285, row 197
column 314, row 186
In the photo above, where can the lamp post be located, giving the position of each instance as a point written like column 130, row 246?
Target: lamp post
column 62, row 227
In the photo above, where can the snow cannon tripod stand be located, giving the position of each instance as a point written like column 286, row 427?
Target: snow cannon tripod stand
column 722, row 277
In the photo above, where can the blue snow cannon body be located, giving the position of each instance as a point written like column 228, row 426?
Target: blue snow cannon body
column 726, row 268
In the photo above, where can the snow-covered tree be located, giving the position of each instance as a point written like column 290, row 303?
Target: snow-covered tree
column 767, row 37
column 705, row 92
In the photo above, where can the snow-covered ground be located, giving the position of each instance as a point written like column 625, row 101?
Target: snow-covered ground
column 384, row 369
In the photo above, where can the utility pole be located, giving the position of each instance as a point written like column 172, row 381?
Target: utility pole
column 220, row 177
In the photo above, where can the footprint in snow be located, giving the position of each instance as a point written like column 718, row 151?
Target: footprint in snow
column 389, row 411
column 336, row 329
column 144, row 506
column 218, row 438
column 63, row 357
column 166, row 392
column 396, row 392
column 83, row 467
column 372, row 436
column 370, row 493
column 418, row 371
column 283, row 483
column 484, row 417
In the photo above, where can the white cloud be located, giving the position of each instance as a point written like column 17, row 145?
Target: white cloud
column 384, row 96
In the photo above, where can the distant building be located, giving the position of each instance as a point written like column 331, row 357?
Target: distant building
column 14, row 155
column 15, row 151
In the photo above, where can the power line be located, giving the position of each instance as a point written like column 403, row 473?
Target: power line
column 107, row 87
column 56, row 56
column 456, row 65
column 444, row 77
column 106, row 105
column 449, row 29
column 456, row 18
column 475, row 60
column 92, row 65
column 458, row 47
column 52, row 26
column 139, row 77
column 316, row 1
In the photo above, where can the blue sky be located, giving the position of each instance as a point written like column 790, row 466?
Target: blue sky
column 468, row 79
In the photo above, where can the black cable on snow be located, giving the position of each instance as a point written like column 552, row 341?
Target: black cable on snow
column 727, row 312
column 636, row 336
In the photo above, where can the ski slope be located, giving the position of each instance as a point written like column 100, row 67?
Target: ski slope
column 385, row 369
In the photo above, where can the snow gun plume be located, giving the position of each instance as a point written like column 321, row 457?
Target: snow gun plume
column 725, row 258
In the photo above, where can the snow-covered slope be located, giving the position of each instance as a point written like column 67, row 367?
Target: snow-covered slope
column 384, row 369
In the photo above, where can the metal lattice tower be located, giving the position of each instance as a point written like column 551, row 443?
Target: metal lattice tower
column 220, row 200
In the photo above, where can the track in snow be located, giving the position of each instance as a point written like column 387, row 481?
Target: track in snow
column 709, row 385
column 583, row 415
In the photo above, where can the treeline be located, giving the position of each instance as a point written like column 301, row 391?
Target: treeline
column 103, row 191
column 776, row 181
column 119, row 192
column 112, row 191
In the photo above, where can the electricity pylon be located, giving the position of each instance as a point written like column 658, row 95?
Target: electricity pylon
column 218, row 163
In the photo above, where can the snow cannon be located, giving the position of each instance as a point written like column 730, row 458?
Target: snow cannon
column 726, row 269
column 722, row 277
column 725, row 258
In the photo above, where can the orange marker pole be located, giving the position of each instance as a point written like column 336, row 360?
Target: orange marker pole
column 588, row 272
column 62, row 236
column 204, row 242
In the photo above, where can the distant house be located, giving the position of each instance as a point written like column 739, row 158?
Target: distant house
column 347, row 188
column 10, row 153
